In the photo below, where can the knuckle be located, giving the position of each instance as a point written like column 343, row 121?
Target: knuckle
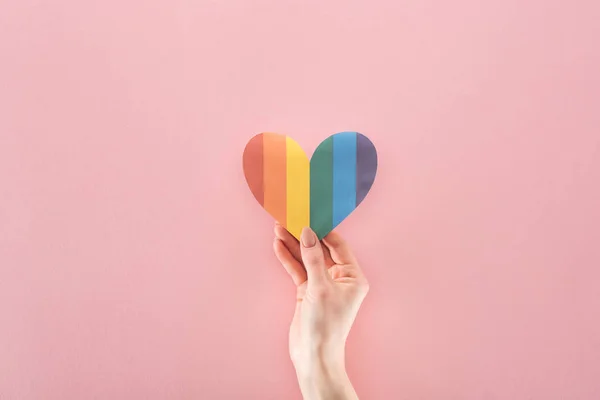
column 334, row 239
column 312, row 259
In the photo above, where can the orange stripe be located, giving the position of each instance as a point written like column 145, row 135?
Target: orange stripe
column 274, row 153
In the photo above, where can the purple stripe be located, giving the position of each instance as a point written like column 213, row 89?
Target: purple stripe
column 366, row 166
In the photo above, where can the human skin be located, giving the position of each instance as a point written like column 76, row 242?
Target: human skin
column 330, row 288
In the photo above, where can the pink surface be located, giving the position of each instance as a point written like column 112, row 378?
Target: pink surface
column 135, row 264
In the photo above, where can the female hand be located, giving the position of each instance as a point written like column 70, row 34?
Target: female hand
column 330, row 288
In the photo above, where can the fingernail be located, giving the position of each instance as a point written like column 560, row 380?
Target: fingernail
column 308, row 237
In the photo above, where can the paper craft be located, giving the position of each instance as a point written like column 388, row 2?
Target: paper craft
column 319, row 193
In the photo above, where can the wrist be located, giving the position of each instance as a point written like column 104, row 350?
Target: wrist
column 319, row 357
column 322, row 375
column 315, row 367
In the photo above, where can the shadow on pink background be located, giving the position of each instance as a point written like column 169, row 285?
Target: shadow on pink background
column 135, row 264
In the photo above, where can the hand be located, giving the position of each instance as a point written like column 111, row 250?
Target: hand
column 330, row 288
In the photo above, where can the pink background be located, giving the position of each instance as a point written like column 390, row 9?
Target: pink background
column 135, row 264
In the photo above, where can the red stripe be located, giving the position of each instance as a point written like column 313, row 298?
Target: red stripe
column 253, row 167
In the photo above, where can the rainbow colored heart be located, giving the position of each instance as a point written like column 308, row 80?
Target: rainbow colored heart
column 320, row 193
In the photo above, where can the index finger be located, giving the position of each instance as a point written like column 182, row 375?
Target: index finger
column 339, row 249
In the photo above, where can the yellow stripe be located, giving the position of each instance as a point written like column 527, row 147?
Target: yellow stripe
column 298, row 188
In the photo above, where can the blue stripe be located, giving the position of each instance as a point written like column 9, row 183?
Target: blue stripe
column 344, row 175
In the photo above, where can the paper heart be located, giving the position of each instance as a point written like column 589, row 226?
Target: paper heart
column 320, row 193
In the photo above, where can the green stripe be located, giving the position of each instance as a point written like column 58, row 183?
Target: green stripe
column 321, row 189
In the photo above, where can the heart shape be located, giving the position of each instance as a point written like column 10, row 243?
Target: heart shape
column 320, row 193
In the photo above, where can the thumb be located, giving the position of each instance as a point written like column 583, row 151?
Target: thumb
column 313, row 257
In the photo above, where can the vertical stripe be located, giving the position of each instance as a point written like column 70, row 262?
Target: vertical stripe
column 274, row 171
column 344, row 175
column 253, row 167
column 321, row 188
column 366, row 166
column 298, row 188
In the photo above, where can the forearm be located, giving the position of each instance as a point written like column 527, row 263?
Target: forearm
column 325, row 378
